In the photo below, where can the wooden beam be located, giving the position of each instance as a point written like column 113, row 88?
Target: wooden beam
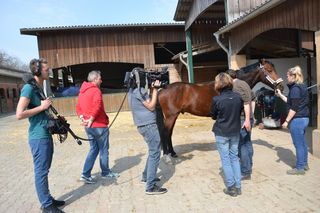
column 316, row 132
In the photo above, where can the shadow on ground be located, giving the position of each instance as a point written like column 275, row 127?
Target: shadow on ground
column 121, row 165
column 284, row 155
column 167, row 169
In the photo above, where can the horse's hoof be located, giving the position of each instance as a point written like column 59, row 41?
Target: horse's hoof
column 174, row 155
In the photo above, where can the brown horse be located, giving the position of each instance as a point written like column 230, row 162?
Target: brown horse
column 196, row 99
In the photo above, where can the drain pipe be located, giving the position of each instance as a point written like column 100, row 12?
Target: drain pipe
column 182, row 61
column 217, row 35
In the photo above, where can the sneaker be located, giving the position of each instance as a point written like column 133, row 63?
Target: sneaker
column 306, row 167
column 52, row 209
column 156, row 190
column 110, row 175
column 144, row 180
column 88, row 180
column 246, row 177
column 58, row 203
column 231, row 190
column 296, row 171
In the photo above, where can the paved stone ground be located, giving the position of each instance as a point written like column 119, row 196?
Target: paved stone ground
column 194, row 182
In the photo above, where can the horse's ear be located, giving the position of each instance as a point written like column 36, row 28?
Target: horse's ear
column 262, row 61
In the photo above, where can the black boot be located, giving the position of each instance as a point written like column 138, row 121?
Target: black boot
column 52, row 209
column 58, row 203
column 238, row 190
column 231, row 190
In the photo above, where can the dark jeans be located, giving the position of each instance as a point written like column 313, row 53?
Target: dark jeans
column 42, row 151
column 245, row 150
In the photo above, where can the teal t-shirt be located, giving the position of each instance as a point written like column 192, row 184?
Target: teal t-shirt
column 38, row 122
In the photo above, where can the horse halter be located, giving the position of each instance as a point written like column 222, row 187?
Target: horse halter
column 273, row 82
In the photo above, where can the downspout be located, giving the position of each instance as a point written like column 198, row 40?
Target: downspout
column 217, row 35
column 182, row 61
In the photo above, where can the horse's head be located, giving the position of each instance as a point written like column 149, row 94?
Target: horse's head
column 269, row 75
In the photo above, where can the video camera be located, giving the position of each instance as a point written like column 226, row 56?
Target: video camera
column 139, row 77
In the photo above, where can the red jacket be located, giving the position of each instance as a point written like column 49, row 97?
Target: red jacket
column 90, row 103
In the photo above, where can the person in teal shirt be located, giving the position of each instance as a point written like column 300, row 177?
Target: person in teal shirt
column 32, row 107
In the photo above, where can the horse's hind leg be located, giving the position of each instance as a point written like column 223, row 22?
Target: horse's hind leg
column 164, row 140
column 169, row 124
column 162, row 130
column 170, row 147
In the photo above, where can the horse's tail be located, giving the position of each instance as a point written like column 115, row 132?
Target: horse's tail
column 160, row 124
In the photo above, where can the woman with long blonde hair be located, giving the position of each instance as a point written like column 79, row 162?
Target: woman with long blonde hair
column 297, row 118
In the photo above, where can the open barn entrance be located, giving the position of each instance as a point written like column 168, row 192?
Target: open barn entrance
column 66, row 81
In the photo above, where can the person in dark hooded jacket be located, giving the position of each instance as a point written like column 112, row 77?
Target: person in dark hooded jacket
column 90, row 109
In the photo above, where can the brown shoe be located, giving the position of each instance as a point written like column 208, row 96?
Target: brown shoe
column 246, row 177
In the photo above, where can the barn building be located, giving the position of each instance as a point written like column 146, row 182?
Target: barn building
column 286, row 32
column 10, row 87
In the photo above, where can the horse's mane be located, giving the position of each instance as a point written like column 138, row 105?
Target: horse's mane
column 250, row 68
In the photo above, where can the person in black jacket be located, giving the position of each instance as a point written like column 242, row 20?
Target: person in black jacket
column 226, row 109
column 297, row 118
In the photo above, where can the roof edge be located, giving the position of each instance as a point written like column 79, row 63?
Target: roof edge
column 175, row 18
column 36, row 30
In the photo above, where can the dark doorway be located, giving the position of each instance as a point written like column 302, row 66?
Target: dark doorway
column 112, row 75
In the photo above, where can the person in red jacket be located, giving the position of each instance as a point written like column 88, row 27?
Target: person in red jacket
column 90, row 109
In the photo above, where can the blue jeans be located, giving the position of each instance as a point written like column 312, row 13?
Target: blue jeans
column 228, row 150
column 297, row 130
column 99, row 142
column 151, row 136
column 42, row 151
column 245, row 150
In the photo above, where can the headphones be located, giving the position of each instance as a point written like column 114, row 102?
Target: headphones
column 35, row 67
